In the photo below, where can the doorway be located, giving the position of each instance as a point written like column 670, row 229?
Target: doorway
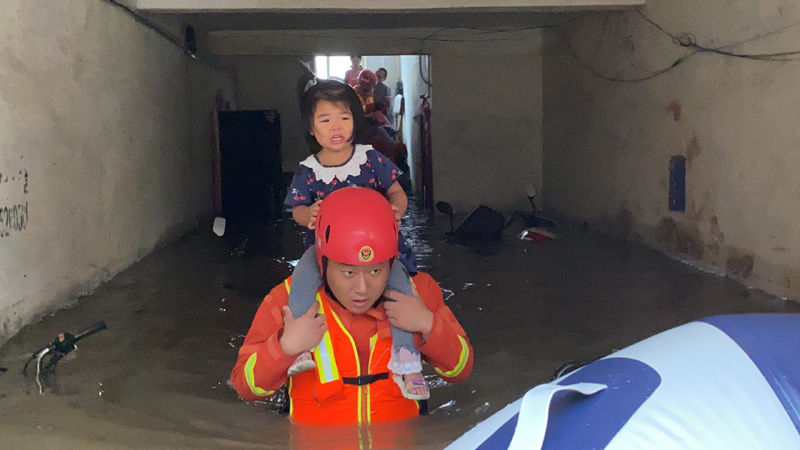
column 250, row 151
column 408, row 80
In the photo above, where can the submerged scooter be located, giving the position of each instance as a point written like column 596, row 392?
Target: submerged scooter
column 485, row 224
column 60, row 347
column 532, row 219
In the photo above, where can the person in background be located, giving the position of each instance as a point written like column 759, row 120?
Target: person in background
column 398, row 109
column 351, row 76
column 365, row 88
column 383, row 94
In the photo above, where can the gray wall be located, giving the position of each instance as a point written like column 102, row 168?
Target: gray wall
column 608, row 144
column 487, row 124
column 413, row 87
column 366, row 5
column 105, row 149
column 268, row 82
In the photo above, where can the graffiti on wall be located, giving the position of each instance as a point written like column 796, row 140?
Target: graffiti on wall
column 14, row 213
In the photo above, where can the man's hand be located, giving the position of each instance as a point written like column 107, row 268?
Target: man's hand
column 312, row 214
column 303, row 333
column 408, row 312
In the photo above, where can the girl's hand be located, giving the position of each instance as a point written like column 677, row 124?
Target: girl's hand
column 312, row 214
column 302, row 333
column 408, row 312
column 398, row 214
column 398, row 199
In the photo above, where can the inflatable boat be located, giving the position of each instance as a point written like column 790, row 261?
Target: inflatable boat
column 724, row 382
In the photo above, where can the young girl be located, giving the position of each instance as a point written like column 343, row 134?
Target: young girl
column 333, row 118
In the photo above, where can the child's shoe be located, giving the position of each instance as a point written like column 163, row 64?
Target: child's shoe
column 413, row 386
column 407, row 373
column 303, row 362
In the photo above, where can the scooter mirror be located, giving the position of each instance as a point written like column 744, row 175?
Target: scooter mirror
column 445, row 208
column 530, row 190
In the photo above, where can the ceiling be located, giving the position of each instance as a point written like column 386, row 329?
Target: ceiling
column 251, row 26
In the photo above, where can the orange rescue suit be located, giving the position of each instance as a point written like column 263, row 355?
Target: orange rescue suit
column 351, row 383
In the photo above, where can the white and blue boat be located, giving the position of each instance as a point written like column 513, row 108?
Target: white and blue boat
column 724, row 382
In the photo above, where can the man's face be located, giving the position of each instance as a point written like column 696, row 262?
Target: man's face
column 381, row 76
column 357, row 287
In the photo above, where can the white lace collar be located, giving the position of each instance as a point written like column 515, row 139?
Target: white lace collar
column 326, row 174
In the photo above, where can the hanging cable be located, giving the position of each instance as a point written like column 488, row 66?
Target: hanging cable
column 421, row 75
column 650, row 75
column 149, row 24
column 688, row 41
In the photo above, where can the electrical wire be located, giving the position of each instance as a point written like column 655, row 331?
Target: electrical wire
column 649, row 76
column 149, row 24
column 422, row 76
column 688, row 41
column 473, row 31
column 684, row 39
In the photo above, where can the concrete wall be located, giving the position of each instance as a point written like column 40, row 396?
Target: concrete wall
column 100, row 154
column 268, row 82
column 487, row 121
column 367, row 5
column 413, row 87
column 608, row 143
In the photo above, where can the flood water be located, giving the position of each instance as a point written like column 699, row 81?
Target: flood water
column 157, row 378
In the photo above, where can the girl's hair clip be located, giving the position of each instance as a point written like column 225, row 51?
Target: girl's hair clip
column 312, row 77
column 309, row 84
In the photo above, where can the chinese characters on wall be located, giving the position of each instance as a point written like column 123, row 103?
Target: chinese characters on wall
column 14, row 214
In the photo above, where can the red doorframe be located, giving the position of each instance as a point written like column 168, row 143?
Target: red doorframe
column 426, row 149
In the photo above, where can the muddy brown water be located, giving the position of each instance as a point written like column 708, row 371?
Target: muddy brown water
column 157, row 378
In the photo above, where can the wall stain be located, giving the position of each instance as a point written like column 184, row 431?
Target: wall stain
column 620, row 224
column 717, row 237
column 624, row 221
column 791, row 281
column 740, row 265
column 694, row 149
column 675, row 108
column 676, row 238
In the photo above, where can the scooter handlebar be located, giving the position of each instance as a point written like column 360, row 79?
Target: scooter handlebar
column 99, row 326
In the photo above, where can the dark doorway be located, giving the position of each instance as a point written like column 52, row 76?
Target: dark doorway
column 250, row 149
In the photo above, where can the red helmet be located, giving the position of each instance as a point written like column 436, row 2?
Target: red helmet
column 356, row 226
column 367, row 79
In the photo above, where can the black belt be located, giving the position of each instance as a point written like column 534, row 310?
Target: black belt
column 364, row 380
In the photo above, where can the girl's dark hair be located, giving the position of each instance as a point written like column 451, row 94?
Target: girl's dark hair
column 334, row 92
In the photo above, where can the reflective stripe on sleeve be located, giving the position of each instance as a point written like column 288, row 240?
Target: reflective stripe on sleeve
column 323, row 354
column 462, row 360
column 249, row 375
